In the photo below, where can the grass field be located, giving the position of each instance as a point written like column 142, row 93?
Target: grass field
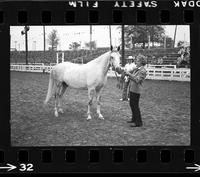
column 165, row 109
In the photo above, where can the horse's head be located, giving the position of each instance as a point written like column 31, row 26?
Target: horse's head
column 115, row 57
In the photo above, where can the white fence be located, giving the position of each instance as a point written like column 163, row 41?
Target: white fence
column 177, row 74
column 160, row 66
column 168, row 74
column 25, row 63
column 31, row 68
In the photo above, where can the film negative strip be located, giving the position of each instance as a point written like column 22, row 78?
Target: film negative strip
column 69, row 52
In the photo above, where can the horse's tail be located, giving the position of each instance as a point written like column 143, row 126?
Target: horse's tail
column 50, row 87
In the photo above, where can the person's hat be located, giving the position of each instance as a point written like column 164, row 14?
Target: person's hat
column 130, row 58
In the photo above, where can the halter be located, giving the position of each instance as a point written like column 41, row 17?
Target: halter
column 111, row 65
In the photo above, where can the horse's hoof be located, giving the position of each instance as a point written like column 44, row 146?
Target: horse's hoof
column 61, row 111
column 56, row 113
column 89, row 118
column 101, row 117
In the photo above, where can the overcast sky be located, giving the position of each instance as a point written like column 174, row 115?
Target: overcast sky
column 69, row 34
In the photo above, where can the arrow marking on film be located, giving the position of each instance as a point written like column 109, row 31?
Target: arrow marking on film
column 9, row 167
column 196, row 168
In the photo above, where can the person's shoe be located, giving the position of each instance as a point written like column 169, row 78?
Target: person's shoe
column 130, row 121
column 136, row 125
column 121, row 99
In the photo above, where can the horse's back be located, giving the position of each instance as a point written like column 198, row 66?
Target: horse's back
column 59, row 70
column 79, row 75
column 72, row 74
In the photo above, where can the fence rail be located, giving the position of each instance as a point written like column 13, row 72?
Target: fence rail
column 161, row 66
column 176, row 74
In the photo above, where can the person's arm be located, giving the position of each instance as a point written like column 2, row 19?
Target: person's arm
column 133, row 69
column 139, row 78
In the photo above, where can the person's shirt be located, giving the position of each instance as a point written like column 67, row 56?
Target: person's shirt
column 136, row 79
column 129, row 67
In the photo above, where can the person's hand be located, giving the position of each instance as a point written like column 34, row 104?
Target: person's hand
column 126, row 72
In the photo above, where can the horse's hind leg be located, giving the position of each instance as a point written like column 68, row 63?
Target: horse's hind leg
column 61, row 93
column 57, row 91
column 91, row 93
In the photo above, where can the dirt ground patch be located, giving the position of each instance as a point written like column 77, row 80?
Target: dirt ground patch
column 165, row 109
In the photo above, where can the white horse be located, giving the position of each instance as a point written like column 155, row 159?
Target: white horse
column 92, row 76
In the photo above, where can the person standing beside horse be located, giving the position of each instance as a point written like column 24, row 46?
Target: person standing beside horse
column 128, row 67
column 136, row 80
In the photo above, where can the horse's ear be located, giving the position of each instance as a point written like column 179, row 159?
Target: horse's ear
column 111, row 47
column 118, row 48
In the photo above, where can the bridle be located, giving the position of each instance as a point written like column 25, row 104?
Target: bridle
column 111, row 65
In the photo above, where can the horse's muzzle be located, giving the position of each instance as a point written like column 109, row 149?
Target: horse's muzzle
column 118, row 70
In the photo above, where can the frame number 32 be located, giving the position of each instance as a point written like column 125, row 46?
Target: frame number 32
column 26, row 167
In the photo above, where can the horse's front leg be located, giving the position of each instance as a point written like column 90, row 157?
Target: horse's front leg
column 56, row 105
column 91, row 93
column 98, row 92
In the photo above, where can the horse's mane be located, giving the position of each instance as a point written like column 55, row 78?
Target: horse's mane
column 98, row 59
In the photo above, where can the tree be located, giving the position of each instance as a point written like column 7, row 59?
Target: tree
column 91, row 44
column 74, row 45
column 53, row 40
column 140, row 34
column 169, row 42
column 156, row 33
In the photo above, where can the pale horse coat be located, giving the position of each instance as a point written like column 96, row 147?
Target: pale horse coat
column 92, row 76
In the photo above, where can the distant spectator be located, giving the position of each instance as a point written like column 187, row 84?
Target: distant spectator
column 184, row 59
column 160, row 61
column 164, row 59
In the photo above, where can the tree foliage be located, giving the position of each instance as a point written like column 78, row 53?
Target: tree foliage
column 53, row 40
column 74, row 45
column 141, row 34
column 91, row 44
column 169, row 42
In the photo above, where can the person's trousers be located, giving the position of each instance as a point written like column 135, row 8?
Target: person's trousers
column 125, row 93
column 134, row 104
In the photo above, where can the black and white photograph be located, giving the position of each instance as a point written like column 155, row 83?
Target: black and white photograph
column 100, row 85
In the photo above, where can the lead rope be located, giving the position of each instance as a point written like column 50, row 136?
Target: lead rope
column 118, row 81
column 115, row 73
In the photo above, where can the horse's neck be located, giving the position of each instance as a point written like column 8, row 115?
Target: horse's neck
column 104, row 63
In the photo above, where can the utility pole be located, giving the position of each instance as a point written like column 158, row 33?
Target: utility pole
column 25, row 31
column 148, row 40
column 90, row 37
column 44, row 38
column 123, row 57
column 165, row 44
column 175, row 36
column 26, row 47
column 110, row 35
